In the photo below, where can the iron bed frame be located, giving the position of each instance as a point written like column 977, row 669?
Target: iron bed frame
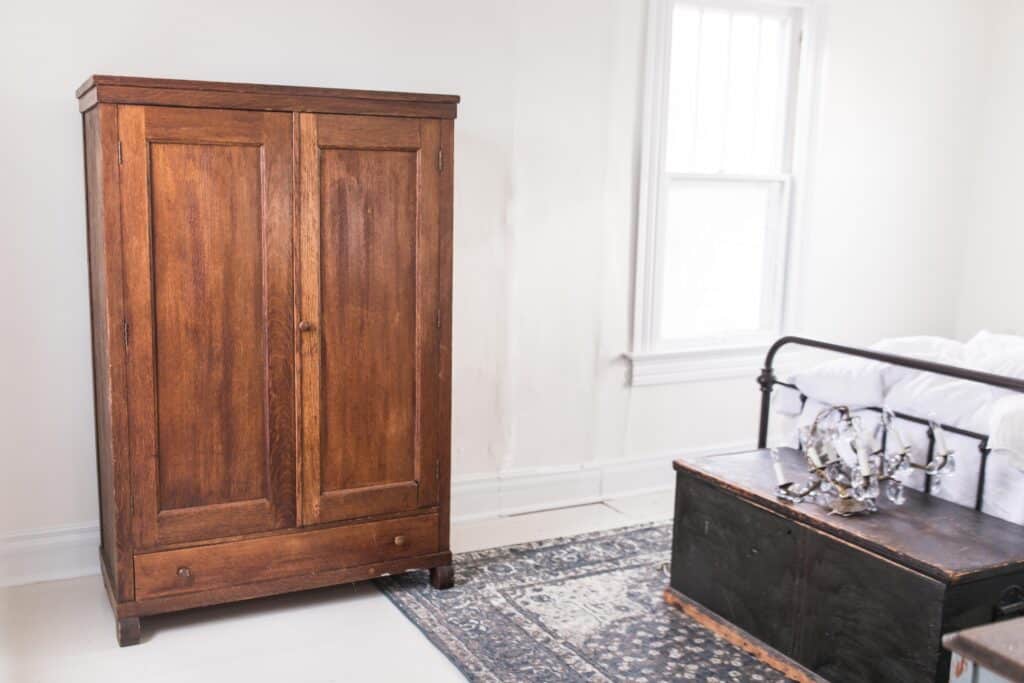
column 768, row 381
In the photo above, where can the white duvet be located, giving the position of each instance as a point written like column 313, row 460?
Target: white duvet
column 856, row 382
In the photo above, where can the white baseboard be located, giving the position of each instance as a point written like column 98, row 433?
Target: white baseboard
column 519, row 492
column 538, row 489
column 72, row 551
column 49, row 554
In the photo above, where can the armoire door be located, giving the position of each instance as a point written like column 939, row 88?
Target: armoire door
column 370, row 314
column 206, row 199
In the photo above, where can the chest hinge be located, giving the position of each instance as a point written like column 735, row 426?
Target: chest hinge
column 124, row 332
column 440, row 160
column 120, row 156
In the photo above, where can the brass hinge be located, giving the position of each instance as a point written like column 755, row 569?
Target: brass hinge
column 437, row 319
column 120, row 157
column 437, row 470
column 124, row 332
column 440, row 160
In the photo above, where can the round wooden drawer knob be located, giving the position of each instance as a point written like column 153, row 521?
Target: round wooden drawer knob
column 399, row 540
column 305, row 326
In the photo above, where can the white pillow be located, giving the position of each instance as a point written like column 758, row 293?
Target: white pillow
column 944, row 399
column 1008, row 363
column 935, row 349
column 786, row 401
column 858, row 382
column 1006, row 428
column 1000, row 354
column 988, row 347
column 1004, row 481
column 853, row 382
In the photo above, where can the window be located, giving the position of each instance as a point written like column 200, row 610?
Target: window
column 721, row 114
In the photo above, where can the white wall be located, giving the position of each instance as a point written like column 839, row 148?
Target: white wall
column 546, row 177
column 992, row 276
column 577, row 98
column 883, row 238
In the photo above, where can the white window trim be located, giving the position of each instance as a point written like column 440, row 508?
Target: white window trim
column 734, row 356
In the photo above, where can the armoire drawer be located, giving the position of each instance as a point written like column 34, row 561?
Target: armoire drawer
column 222, row 565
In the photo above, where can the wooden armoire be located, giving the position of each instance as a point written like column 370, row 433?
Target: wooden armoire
column 271, row 277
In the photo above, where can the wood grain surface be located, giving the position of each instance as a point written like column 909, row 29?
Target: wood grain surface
column 209, row 222
column 998, row 647
column 270, row 288
column 853, row 599
column 248, row 561
column 247, row 96
column 944, row 540
column 371, row 231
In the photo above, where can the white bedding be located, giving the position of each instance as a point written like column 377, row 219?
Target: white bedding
column 857, row 382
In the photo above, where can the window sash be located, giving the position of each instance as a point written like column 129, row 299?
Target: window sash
column 778, row 29
column 773, row 264
column 647, row 338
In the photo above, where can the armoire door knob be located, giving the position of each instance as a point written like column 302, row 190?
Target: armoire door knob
column 305, row 326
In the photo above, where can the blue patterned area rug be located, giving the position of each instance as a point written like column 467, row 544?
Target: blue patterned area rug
column 584, row 608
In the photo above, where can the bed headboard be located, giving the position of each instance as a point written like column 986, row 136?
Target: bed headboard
column 767, row 381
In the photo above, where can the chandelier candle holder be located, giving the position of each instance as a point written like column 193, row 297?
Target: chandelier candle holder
column 849, row 467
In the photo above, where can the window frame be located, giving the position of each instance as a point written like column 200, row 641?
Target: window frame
column 653, row 360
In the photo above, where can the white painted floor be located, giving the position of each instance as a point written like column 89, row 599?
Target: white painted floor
column 64, row 630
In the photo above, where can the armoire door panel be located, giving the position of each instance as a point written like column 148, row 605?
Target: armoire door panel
column 368, row 319
column 369, row 277
column 209, row 369
column 207, row 219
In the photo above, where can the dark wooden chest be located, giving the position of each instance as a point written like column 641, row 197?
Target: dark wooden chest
column 853, row 599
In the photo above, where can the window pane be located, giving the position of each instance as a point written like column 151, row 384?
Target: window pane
column 682, row 87
column 719, row 239
column 712, row 86
column 727, row 85
column 740, row 117
column 770, row 101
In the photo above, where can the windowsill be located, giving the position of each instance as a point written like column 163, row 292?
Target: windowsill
column 695, row 365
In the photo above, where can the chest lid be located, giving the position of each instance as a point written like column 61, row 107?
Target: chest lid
column 946, row 541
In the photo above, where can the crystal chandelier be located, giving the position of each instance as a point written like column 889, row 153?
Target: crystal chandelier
column 849, row 468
